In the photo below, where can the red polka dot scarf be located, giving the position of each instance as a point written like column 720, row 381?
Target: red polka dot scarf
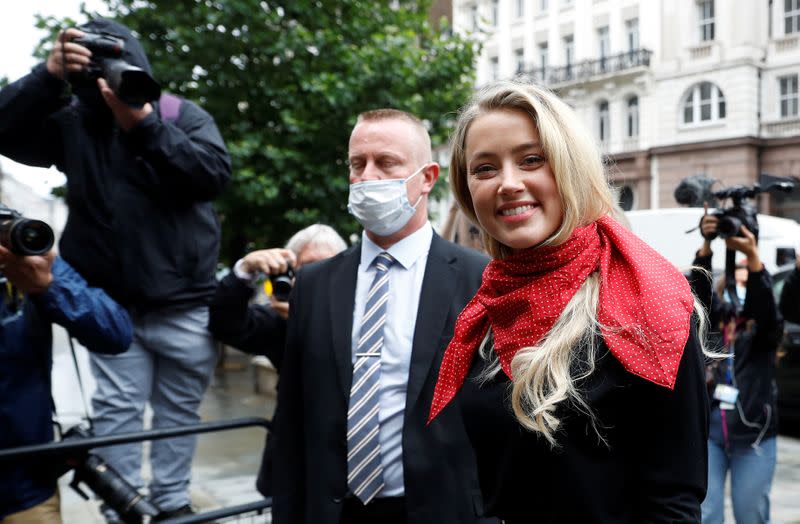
column 644, row 305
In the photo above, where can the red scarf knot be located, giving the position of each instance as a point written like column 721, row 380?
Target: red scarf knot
column 644, row 305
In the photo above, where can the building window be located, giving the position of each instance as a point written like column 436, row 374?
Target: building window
column 520, row 8
column 705, row 12
column 788, row 96
column 632, row 33
column 519, row 57
column 495, row 12
column 494, row 68
column 704, row 103
column 633, row 117
column 543, row 5
column 791, row 16
column 543, row 61
column 474, row 14
column 603, row 46
column 603, row 121
column 569, row 55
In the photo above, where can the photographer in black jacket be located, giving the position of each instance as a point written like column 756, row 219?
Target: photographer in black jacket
column 142, row 227
column 743, row 428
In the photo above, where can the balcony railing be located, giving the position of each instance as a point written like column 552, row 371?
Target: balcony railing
column 590, row 68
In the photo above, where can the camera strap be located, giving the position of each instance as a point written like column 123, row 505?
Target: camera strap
column 80, row 384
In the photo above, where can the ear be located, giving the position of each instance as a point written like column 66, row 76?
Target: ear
column 429, row 177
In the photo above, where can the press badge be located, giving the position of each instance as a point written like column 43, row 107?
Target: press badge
column 727, row 395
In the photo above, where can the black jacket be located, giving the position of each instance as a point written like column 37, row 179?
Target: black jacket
column 790, row 297
column 757, row 339
column 251, row 328
column 141, row 224
column 310, row 472
column 651, row 469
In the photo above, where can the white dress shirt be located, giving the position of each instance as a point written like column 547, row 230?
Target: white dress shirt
column 405, row 286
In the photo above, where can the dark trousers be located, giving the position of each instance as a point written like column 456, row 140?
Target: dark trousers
column 383, row 510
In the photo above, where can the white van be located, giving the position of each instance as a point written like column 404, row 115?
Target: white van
column 666, row 231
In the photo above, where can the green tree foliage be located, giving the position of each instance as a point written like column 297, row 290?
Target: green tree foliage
column 284, row 81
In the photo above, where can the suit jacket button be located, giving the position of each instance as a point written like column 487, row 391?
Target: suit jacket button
column 338, row 500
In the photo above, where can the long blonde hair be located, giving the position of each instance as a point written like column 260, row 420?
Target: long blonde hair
column 546, row 375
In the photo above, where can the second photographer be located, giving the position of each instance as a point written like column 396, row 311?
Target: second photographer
column 743, row 428
column 38, row 291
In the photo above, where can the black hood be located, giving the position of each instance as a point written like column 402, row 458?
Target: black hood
column 132, row 53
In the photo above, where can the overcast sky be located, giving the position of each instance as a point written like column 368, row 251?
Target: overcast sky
column 18, row 37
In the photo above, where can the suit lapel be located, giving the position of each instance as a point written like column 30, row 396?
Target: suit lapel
column 435, row 301
column 342, row 296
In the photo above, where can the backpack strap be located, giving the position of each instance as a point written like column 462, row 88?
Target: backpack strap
column 169, row 107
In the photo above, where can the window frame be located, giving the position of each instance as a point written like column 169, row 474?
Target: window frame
column 788, row 100
column 632, row 34
column 603, row 121
column 519, row 60
column 603, row 45
column 706, row 21
column 695, row 101
column 568, row 43
column 791, row 17
column 632, row 117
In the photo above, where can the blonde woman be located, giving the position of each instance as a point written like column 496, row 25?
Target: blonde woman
column 586, row 401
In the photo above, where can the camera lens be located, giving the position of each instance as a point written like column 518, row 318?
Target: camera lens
column 729, row 226
column 31, row 237
column 281, row 287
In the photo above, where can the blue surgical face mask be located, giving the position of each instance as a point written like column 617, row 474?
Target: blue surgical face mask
column 382, row 206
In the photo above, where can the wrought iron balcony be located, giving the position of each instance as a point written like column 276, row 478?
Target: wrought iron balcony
column 589, row 69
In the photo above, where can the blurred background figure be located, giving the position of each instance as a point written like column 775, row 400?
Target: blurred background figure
column 743, row 422
column 261, row 329
column 38, row 291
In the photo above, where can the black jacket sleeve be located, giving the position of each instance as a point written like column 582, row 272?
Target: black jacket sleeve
column 254, row 329
column 26, row 134
column 759, row 305
column 667, row 434
column 790, row 297
column 188, row 155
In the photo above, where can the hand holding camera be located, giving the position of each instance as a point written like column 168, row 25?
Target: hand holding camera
column 30, row 274
column 743, row 241
column 67, row 57
column 277, row 264
column 88, row 59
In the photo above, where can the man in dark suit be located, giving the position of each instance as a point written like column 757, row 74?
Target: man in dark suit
column 365, row 339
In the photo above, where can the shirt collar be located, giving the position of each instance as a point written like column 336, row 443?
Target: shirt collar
column 407, row 251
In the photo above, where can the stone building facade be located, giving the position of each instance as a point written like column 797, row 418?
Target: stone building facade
column 671, row 88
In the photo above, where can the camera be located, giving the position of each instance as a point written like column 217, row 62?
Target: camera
column 694, row 191
column 133, row 85
column 24, row 236
column 282, row 284
column 105, row 482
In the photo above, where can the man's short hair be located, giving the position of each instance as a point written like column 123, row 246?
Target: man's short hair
column 319, row 235
column 376, row 115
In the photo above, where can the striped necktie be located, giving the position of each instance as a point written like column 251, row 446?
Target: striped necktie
column 364, row 469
